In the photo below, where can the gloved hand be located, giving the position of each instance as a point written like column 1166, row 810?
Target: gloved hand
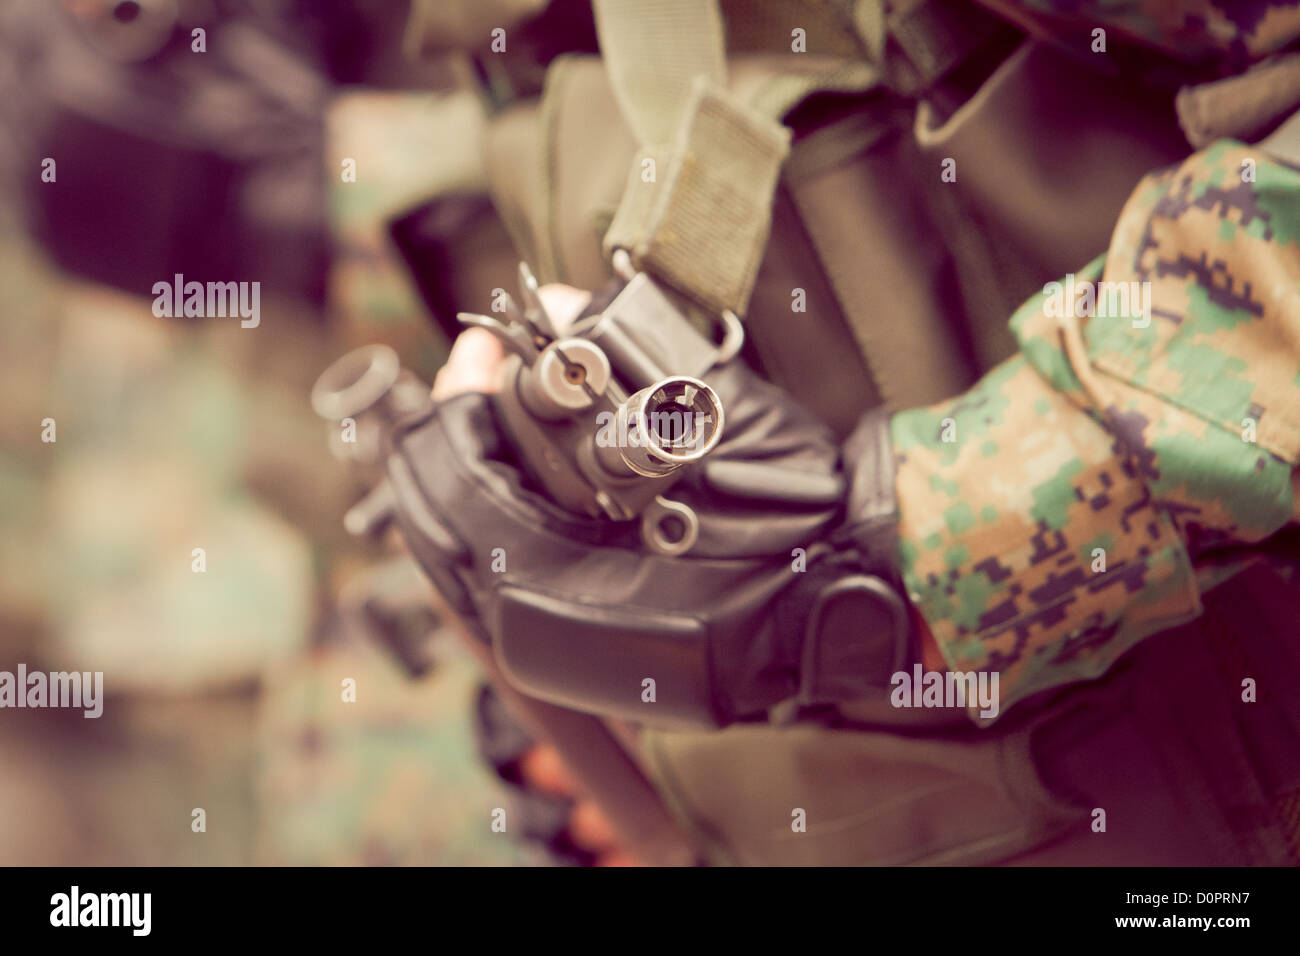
column 577, row 610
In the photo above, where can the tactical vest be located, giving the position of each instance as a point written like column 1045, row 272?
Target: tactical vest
column 847, row 163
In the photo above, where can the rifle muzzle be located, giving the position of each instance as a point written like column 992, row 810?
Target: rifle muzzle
column 671, row 423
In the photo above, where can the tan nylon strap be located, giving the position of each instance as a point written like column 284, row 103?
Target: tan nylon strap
column 698, row 205
column 830, row 27
column 788, row 89
column 702, row 222
column 697, row 209
column 1284, row 142
column 435, row 26
column 549, row 265
column 654, row 50
column 1240, row 106
column 870, row 23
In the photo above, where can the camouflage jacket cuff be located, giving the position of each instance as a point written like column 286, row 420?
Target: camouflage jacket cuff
column 1050, row 516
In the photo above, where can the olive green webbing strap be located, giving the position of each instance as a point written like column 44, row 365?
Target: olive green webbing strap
column 550, row 266
column 1284, row 142
column 697, row 207
column 1238, row 107
column 653, row 52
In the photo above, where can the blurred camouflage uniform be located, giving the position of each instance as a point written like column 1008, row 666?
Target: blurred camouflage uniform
column 1164, row 449
column 223, row 686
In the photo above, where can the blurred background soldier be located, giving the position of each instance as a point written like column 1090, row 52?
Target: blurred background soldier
column 152, row 138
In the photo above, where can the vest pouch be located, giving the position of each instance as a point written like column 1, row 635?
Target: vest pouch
column 867, row 798
column 1029, row 175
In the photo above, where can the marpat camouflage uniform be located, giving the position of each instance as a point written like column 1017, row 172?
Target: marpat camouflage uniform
column 1064, row 508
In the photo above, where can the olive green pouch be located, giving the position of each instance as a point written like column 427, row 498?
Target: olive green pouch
column 867, row 798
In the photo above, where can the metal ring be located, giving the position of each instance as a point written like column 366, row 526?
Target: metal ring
column 733, row 337
column 652, row 520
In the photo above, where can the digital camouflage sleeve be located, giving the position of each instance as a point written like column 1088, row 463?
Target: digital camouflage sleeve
column 1062, row 509
column 1224, row 35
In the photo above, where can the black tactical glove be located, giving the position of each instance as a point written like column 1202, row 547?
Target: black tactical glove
column 580, row 613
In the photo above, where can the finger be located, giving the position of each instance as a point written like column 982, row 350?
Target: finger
column 474, row 365
column 542, row 768
column 563, row 304
column 590, row 828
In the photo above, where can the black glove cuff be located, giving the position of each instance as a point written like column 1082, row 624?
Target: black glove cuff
column 871, row 510
column 850, row 605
